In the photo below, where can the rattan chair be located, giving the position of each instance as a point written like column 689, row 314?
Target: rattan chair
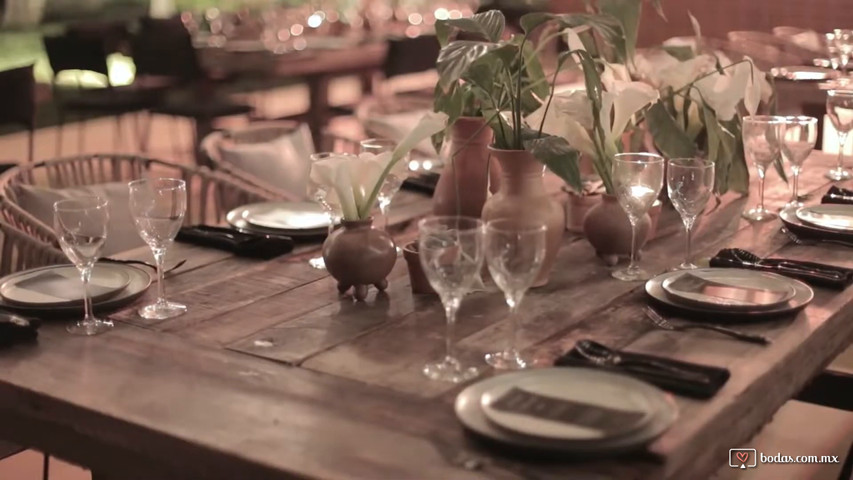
column 19, row 251
column 210, row 195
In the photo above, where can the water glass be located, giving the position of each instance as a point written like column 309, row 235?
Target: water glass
column 326, row 197
column 689, row 183
column 514, row 254
column 839, row 108
column 157, row 206
column 798, row 141
column 843, row 42
column 392, row 182
column 637, row 179
column 81, row 227
column 451, row 253
column 762, row 145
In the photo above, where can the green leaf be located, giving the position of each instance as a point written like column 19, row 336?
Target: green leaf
column 455, row 58
column 659, row 9
column 559, row 157
column 530, row 21
column 487, row 25
column 732, row 142
column 627, row 12
column 672, row 141
column 681, row 53
column 717, row 151
column 533, row 71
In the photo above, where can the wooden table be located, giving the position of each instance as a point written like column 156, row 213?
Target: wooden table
column 271, row 375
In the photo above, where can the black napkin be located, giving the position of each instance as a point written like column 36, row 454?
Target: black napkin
column 817, row 274
column 838, row 195
column 15, row 329
column 239, row 243
column 422, row 183
column 634, row 366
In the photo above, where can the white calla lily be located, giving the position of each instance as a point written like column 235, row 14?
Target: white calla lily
column 573, row 40
column 627, row 98
column 724, row 92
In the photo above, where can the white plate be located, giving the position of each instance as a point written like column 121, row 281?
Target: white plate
column 594, row 391
column 834, row 217
column 805, row 73
column 281, row 218
column 730, row 288
column 470, row 413
column 139, row 283
column 61, row 286
column 803, row 296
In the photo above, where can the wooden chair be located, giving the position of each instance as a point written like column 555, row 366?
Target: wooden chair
column 18, row 97
column 210, row 195
column 19, row 251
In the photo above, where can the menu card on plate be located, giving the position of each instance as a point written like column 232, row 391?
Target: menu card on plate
column 728, row 294
column 60, row 286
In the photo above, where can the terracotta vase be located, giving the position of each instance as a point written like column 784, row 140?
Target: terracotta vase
column 468, row 175
column 417, row 277
column 523, row 197
column 607, row 228
column 577, row 206
column 358, row 255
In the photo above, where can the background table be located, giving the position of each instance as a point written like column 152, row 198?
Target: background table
column 270, row 374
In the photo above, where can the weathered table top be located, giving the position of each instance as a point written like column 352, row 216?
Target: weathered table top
column 272, row 375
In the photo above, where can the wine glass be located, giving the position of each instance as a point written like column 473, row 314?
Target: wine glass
column 392, row 182
column 832, row 51
column 514, row 254
column 689, row 183
column 451, row 253
column 157, row 206
column 843, row 42
column 81, row 227
column 762, row 143
column 327, row 199
column 638, row 179
column 797, row 143
column 839, row 107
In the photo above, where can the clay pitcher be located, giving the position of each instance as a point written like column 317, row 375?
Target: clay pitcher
column 607, row 228
column 522, row 196
column 468, row 175
column 358, row 255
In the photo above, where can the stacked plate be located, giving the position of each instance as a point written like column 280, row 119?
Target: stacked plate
column 293, row 219
column 566, row 410
column 830, row 221
column 57, row 290
column 729, row 293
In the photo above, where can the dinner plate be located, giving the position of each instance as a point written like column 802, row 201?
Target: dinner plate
column 280, row 218
column 729, row 288
column 793, row 223
column 835, row 217
column 654, row 288
column 591, row 409
column 60, row 285
column 472, row 416
column 138, row 284
column 805, row 73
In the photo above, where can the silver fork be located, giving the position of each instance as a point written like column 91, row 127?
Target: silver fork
column 145, row 264
column 808, row 242
column 659, row 321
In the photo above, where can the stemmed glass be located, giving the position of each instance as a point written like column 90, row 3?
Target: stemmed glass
column 451, row 253
column 328, row 200
column 514, row 254
column 157, row 206
column 843, row 42
column 81, row 225
column 689, row 183
column 637, row 178
column 839, row 107
column 798, row 141
column 762, row 143
column 392, row 182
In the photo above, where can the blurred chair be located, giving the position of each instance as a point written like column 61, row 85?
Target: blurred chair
column 163, row 48
column 274, row 156
column 73, row 52
column 19, row 251
column 18, row 97
column 29, row 191
column 405, row 57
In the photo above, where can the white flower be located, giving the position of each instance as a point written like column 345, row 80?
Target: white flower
column 723, row 92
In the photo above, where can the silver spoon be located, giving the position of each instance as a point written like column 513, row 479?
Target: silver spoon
column 664, row 324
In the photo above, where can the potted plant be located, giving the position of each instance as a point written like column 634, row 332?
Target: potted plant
column 358, row 255
column 506, row 78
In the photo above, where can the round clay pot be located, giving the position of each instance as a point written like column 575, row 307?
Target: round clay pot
column 607, row 228
column 417, row 277
column 522, row 197
column 468, row 173
column 577, row 207
column 358, row 255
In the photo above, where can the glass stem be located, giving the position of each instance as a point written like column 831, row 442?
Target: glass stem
column 159, row 260
column 633, row 265
column 761, row 190
column 451, row 306
column 513, row 324
column 842, row 140
column 688, row 230
column 796, row 174
column 384, row 207
column 85, row 275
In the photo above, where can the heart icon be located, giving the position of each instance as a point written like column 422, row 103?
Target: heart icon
column 742, row 456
